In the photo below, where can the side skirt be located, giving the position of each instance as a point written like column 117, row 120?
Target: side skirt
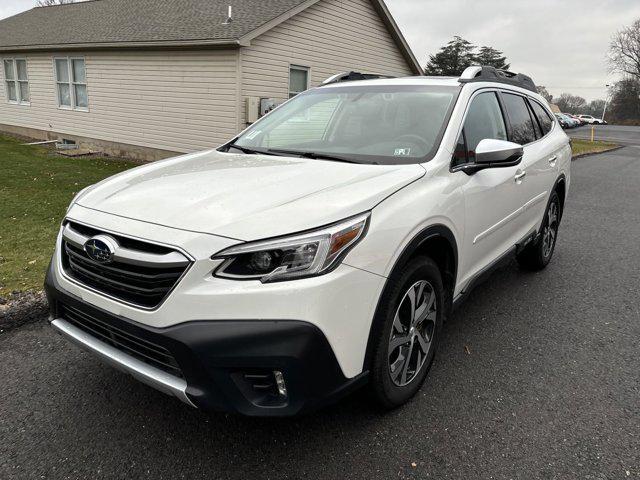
column 486, row 272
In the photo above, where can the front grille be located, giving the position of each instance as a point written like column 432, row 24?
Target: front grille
column 150, row 353
column 144, row 285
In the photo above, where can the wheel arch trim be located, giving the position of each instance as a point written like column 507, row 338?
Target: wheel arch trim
column 429, row 233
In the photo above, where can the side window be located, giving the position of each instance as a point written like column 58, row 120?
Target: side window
column 484, row 120
column 298, row 80
column 522, row 130
column 543, row 117
column 17, row 81
column 536, row 126
column 71, row 81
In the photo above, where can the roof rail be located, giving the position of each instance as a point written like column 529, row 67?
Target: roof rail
column 352, row 76
column 477, row 73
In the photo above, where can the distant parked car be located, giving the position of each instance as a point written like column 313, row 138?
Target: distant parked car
column 592, row 120
column 577, row 118
column 570, row 121
column 562, row 121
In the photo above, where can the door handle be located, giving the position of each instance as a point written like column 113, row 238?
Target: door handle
column 520, row 176
column 552, row 160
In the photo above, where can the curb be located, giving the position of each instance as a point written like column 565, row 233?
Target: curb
column 589, row 154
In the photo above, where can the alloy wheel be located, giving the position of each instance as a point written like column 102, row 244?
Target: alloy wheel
column 550, row 230
column 414, row 326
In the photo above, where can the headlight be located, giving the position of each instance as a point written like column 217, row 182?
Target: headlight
column 287, row 258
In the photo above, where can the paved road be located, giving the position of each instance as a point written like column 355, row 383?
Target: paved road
column 612, row 133
column 550, row 389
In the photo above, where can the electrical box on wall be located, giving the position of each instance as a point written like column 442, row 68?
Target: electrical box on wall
column 266, row 105
column 253, row 109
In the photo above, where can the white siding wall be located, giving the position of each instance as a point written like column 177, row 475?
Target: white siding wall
column 331, row 36
column 179, row 101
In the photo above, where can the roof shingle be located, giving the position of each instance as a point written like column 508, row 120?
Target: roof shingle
column 138, row 21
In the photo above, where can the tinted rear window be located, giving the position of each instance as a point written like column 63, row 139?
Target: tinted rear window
column 543, row 117
column 522, row 130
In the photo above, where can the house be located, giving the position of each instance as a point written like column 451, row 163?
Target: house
column 150, row 79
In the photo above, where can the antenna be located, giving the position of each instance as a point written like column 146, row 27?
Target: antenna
column 229, row 16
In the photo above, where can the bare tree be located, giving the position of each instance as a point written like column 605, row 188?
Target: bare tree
column 624, row 52
column 570, row 103
column 48, row 3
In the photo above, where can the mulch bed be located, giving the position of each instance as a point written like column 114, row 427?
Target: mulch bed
column 21, row 308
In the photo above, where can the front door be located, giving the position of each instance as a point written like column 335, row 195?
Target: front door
column 493, row 197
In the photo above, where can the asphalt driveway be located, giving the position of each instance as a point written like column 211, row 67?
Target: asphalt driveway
column 538, row 376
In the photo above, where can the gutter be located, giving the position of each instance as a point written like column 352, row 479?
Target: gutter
column 222, row 43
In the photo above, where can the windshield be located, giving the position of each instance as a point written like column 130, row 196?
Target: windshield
column 388, row 124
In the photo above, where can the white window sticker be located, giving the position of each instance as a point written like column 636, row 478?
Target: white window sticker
column 402, row 152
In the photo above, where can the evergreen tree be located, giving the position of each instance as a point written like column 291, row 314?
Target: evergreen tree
column 452, row 59
column 489, row 56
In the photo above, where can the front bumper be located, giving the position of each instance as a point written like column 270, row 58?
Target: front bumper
column 216, row 357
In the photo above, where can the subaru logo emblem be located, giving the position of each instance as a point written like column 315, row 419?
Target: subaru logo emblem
column 100, row 248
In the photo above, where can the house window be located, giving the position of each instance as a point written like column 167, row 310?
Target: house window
column 71, row 81
column 298, row 80
column 17, row 81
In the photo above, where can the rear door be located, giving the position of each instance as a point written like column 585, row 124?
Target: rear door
column 539, row 162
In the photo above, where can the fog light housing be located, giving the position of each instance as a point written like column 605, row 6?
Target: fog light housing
column 262, row 387
column 282, row 386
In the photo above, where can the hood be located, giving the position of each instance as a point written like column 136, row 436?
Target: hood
column 246, row 197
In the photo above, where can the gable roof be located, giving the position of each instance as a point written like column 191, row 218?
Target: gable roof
column 151, row 23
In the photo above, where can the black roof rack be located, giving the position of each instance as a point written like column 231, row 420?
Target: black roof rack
column 353, row 76
column 492, row 74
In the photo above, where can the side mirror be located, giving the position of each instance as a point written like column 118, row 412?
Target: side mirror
column 492, row 153
column 500, row 152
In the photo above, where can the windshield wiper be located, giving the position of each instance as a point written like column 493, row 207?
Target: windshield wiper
column 249, row 151
column 314, row 155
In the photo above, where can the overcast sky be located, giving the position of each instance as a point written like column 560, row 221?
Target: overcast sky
column 560, row 43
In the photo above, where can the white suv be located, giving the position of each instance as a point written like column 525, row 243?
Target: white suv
column 591, row 120
column 321, row 249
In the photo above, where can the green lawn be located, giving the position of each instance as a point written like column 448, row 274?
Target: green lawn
column 581, row 147
column 36, row 186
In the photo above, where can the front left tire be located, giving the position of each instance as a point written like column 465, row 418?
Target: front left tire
column 409, row 320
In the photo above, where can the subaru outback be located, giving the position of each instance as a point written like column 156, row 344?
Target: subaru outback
column 321, row 249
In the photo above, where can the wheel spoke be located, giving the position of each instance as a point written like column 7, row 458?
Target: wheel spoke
column 405, row 367
column 420, row 314
column 411, row 295
column 428, row 312
column 420, row 293
column 398, row 341
column 424, row 345
column 397, row 368
column 397, row 324
column 432, row 300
